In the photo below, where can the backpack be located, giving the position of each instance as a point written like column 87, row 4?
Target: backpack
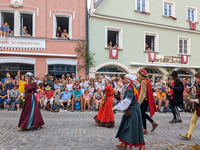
column 55, row 108
column 77, row 106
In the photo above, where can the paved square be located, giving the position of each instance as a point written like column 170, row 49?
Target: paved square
column 77, row 131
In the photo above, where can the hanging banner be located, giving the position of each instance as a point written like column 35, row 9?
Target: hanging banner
column 152, row 57
column 113, row 54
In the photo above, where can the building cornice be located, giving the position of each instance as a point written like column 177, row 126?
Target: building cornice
column 126, row 20
column 161, row 65
column 38, row 54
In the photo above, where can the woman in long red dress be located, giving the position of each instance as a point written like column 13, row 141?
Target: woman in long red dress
column 31, row 115
column 105, row 116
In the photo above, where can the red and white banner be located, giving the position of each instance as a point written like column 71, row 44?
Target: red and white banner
column 192, row 25
column 152, row 57
column 184, row 59
column 114, row 54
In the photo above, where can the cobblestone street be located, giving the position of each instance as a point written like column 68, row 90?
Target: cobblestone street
column 76, row 130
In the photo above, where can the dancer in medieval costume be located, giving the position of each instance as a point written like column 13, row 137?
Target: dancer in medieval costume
column 146, row 99
column 30, row 115
column 105, row 116
column 176, row 90
column 130, row 129
column 196, row 114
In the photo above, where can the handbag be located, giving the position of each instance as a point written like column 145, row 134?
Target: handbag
column 102, row 101
column 127, row 112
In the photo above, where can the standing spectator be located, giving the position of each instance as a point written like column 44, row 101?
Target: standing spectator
column 119, row 85
column 45, row 83
column 77, row 96
column 59, row 32
column 57, row 85
column 117, row 96
column 4, row 30
column 9, row 82
column 186, row 100
column 13, row 95
column 103, row 81
column 86, row 83
column 69, row 85
column 73, row 77
column 57, row 90
column 181, row 79
column 82, row 82
column 168, row 94
column 47, row 77
column 97, row 83
column 63, row 81
column 37, row 80
column 137, row 84
column 62, row 87
column 164, row 86
column 65, row 97
column 22, row 82
column 188, row 84
column 48, row 96
column 4, row 95
column 68, row 77
column 158, row 83
column 51, row 83
column 92, row 82
column 152, row 86
column 86, row 98
column 176, row 97
column 113, row 83
column 162, row 99
column 7, row 76
column 184, row 81
column 65, row 34
column 98, row 96
column 76, row 84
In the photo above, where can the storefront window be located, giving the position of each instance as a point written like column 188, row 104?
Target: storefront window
column 13, row 68
column 58, row 70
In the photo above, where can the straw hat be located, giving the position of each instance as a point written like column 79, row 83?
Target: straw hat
column 48, row 88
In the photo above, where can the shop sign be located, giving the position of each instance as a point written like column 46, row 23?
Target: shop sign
column 170, row 59
column 23, row 43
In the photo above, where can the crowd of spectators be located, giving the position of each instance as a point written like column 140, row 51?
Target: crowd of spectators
column 85, row 93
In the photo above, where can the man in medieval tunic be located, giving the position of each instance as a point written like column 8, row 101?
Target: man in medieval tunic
column 146, row 99
column 196, row 114
column 130, row 129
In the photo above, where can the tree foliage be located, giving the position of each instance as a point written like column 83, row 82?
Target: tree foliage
column 86, row 56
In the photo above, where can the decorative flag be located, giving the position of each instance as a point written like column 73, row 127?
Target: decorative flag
column 184, row 59
column 114, row 54
column 152, row 57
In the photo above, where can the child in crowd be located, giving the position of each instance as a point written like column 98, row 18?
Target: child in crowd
column 86, row 98
column 39, row 97
column 91, row 89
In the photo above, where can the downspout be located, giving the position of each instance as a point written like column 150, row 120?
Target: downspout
column 87, row 31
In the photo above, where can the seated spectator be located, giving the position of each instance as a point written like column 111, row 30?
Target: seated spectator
column 186, row 99
column 98, row 96
column 4, row 30
column 25, row 32
column 65, row 97
column 155, row 94
column 65, row 34
column 162, row 99
column 77, row 83
column 38, row 95
column 86, row 98
column 164, row 86
column 48, row 96
column 77, row 96
column 116, row 46
column 13, row 95
column 117, row 97
column 69, row 85
column 4, row 95
column 188, row 84
column 59, row 32
column 168, row 94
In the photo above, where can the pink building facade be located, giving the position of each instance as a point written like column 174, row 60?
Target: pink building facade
column 42, row 51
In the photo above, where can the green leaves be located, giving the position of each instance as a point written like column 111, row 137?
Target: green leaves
column 86, row 56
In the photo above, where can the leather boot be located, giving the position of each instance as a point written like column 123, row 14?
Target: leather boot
column 186, row 136
column 145, row 131
column 21, row 129
column 154, row 125
column 121, row 145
